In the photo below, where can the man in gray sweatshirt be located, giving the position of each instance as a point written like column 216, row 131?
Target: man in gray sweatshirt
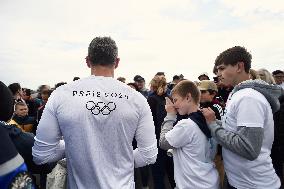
column 97, row 117
column 246, row 132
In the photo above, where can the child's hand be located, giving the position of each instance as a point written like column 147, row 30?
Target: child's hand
column 170, row 106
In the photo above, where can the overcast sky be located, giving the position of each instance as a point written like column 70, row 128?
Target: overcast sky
column 45, row 42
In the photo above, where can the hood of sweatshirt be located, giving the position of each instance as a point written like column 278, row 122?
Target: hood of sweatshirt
column 270, row 92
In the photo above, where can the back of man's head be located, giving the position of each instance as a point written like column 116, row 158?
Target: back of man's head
column 102, row 51
column 234, row 55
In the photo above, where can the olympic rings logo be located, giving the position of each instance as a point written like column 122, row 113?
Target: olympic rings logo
column 100, row 107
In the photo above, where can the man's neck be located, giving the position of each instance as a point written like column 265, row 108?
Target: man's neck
column 243, row 77
column 102, row 71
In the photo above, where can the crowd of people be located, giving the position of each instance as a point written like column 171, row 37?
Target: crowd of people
column 223, row 132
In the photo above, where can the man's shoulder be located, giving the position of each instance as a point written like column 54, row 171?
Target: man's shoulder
column 249, row 99
column 248, row 93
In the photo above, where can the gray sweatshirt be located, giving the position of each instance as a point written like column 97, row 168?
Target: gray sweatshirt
column 248, row 140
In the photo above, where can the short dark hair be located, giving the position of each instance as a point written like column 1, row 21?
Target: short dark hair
column 215, row 71
column 277, row 72
column 176, row 77
column 27, row 91
column 20, row 104
column 59, row 84
column 122, row 79
column 102, row 51
column 134, row 85
column 14, row 88
column 76, row 78
column 41, row 87
column 138, row 78
column 234, row 55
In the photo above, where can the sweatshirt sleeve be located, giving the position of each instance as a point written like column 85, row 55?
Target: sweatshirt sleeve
column 146, row 151
column 246, row 142
column 166, row 127
column 48, row 146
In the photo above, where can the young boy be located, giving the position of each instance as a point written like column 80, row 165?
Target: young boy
column 22, row 119
column 190, row 138
column 209, row 90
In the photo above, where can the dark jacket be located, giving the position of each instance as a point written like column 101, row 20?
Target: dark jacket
column 26, row 123
column 33, row 107
column 24, row 142
column 13, row 172
column 157, row 105
column 277, row 151
column 223, row 93
column 215, row 107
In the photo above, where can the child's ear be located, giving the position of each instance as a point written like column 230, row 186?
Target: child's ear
column 188, row 97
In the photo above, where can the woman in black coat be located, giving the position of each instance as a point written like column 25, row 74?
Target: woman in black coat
column 157, row 102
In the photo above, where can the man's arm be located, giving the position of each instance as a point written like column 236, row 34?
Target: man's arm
column 146, row 151
column 246, row 142
column 48, row 146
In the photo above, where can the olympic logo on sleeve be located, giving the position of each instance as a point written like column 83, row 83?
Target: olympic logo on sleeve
column 100, row 107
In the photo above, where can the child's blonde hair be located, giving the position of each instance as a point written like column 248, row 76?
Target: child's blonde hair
column 184, row 87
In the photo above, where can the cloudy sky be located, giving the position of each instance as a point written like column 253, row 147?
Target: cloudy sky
column 45, row 42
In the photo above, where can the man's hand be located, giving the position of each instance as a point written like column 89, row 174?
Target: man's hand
column 209, row 115
column 170, row 106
